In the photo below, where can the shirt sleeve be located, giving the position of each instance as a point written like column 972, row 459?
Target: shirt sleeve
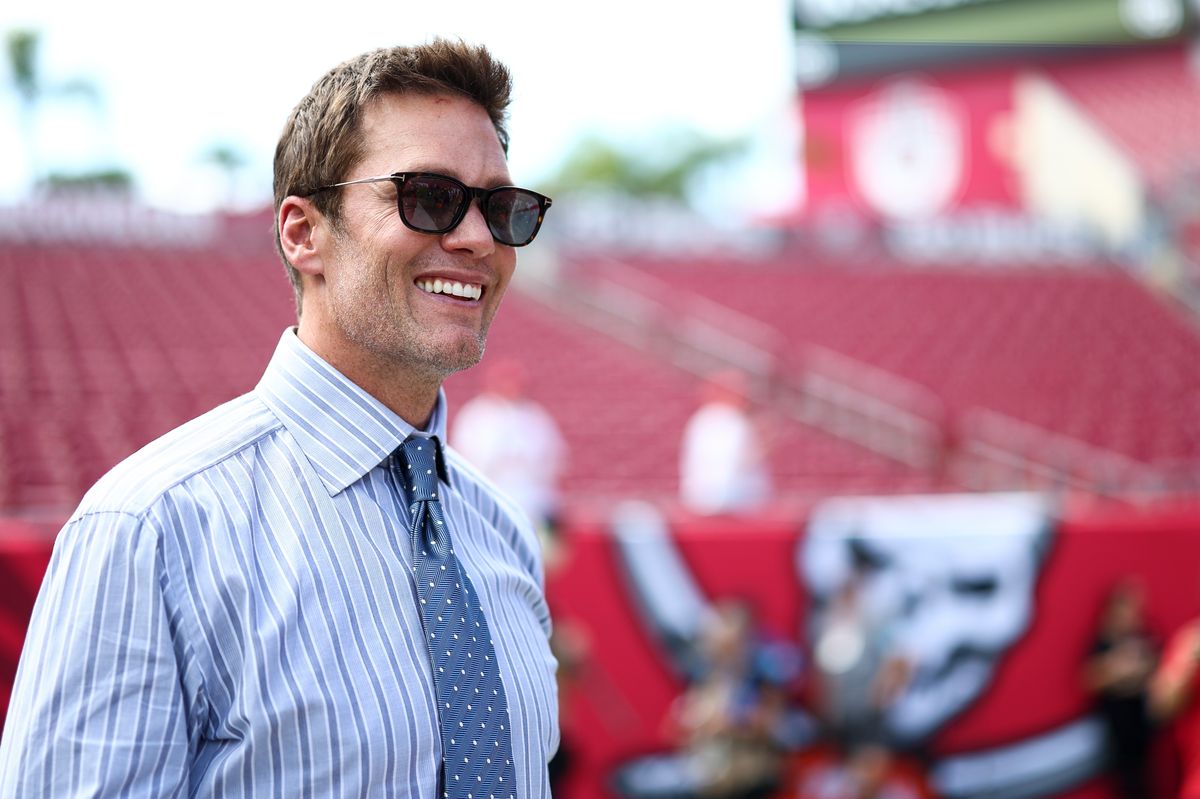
column 97, row 707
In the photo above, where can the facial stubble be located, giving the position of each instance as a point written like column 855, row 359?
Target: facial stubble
column 369, row 310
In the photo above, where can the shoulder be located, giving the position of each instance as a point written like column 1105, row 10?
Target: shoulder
column 480, row 415
column 138, row 483
column 480, row 403
column 714, row 414
column 716, row 425
column 1186, row 638
column 496, row 507
column 1180, row 652
column 538, row 419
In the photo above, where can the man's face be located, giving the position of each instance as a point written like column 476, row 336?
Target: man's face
column 371, row 311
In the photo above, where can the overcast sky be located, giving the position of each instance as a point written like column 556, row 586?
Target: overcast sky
column 176, row 78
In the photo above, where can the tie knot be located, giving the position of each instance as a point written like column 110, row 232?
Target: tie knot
column 420, row 465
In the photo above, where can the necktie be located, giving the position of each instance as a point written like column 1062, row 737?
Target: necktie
column 476, row 739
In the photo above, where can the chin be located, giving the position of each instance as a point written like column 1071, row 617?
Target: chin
column 457, row 356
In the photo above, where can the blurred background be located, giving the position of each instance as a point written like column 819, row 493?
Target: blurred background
column 858, row 356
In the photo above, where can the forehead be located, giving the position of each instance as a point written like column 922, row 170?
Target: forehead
column 442, row 133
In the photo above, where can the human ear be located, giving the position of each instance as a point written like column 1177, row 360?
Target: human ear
column 298, row 220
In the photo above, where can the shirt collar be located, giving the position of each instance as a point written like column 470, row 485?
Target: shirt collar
column 342, row 430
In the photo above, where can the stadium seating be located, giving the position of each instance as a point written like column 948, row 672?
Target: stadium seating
column 622, row 412
column 1088, row 353
column 102, row 348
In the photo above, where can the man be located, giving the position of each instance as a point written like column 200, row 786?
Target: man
column 1172, row 700
column 723, row 465
column 526, row 469
column 1117, row 673
column 240, row 608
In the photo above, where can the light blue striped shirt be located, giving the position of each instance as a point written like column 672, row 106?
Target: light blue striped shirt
column 231, row 612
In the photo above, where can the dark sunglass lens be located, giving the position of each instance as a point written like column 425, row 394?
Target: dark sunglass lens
column 513, row 216
column 430, row 203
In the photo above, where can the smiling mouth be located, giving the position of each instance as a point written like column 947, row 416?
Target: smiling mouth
column 464, row 291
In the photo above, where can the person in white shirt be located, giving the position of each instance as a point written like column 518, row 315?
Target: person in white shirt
column 525, row 466
column 723, row 464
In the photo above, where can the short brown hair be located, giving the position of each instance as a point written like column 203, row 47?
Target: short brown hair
column 322, row 140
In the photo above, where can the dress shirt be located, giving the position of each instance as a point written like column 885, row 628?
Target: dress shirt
column 231, row 612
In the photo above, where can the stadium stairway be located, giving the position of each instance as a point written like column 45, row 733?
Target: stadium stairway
column 1007, row 378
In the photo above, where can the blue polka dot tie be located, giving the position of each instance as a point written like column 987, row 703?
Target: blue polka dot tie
column 476, row 740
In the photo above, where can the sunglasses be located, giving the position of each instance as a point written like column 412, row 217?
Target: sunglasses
column 432, row 203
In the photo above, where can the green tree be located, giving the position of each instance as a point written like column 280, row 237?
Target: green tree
column 229, row 161
column 21, row 50
column 112, row 180
column 664, row 167
column 33, row 91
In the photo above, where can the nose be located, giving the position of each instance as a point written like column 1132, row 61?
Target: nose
column 471, row 235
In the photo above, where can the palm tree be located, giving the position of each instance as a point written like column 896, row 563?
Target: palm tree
column 662, row 167
column 33, row 90
column 22, row 60
column 229, row 161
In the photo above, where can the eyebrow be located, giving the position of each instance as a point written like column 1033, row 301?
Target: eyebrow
column 451, row 172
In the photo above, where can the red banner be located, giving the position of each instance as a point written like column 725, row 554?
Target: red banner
column 1026, row 714
column 912, row 146
column 997, row 614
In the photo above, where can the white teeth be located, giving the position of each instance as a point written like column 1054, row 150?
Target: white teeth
column 468, row 291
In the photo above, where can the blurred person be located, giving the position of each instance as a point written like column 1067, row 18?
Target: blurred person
column 723, row 463
column 571, row 650
column 1172, row 698
column 866, row 772
column 860, row 667
column 860, row 670
column 951, row 579
column 1117, row 673
column 526, row 466
column 729, row 716
column 241, row 606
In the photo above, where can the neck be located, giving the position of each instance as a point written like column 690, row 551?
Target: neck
column 406, row 390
